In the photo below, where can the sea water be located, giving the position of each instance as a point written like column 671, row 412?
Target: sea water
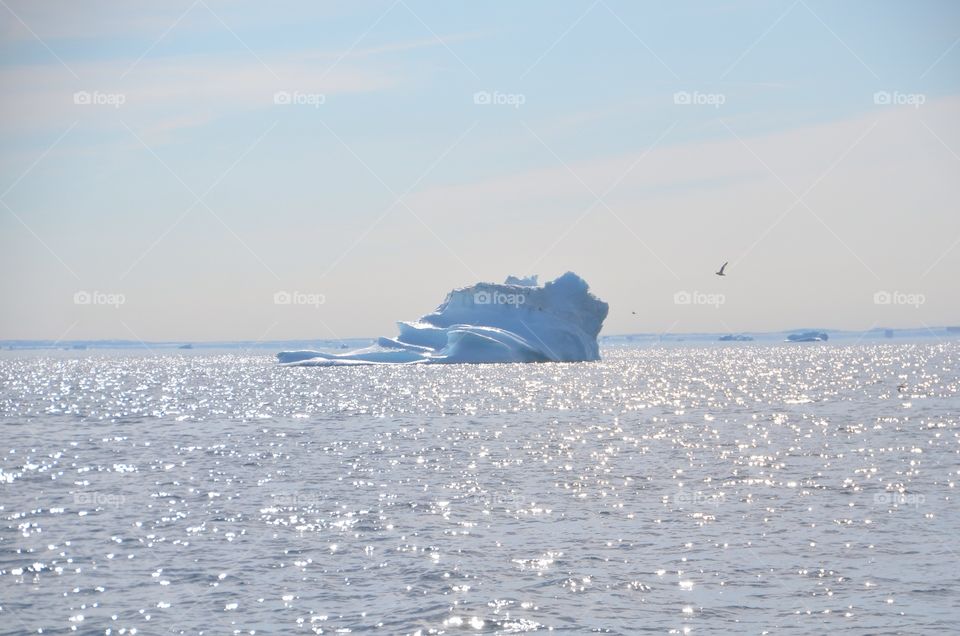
column 705, row 489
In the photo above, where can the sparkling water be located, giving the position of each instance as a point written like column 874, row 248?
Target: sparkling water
column 789, row 488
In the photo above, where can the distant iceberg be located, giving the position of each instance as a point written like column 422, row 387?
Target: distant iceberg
column 808, row 336
column 518, row 321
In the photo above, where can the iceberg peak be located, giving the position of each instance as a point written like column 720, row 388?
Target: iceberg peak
column 517, row 321
column 525, row 281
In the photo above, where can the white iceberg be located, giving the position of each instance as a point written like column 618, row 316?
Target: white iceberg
column 518, row 321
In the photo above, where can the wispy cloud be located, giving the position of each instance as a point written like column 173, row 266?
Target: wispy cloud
column 170, row 92
column 408, row 45
column 797, row 155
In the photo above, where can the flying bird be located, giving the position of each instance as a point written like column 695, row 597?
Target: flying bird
column 723, row 267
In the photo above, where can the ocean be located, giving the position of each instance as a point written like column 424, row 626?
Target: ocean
column 744, row 488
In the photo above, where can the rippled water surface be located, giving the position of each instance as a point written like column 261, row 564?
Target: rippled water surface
column 789, row 489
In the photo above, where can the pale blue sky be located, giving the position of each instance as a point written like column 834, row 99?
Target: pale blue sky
column 820, row 196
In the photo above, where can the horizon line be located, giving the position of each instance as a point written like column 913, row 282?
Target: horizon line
column 949, row 329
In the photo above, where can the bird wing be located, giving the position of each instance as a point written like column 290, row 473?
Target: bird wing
column 723, row 267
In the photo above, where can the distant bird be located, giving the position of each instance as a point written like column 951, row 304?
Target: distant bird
column 901, row 388
column 723, row 267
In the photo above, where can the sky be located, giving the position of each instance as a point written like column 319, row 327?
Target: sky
column 193, row 170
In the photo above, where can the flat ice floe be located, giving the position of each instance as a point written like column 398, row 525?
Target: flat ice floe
column 518, row 321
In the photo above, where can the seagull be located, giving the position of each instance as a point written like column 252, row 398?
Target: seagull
column 723, row 267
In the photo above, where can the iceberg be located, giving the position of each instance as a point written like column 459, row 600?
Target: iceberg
column 808, row 336
column 517, row 321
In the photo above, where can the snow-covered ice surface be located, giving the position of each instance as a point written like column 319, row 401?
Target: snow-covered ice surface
column 518, row 321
